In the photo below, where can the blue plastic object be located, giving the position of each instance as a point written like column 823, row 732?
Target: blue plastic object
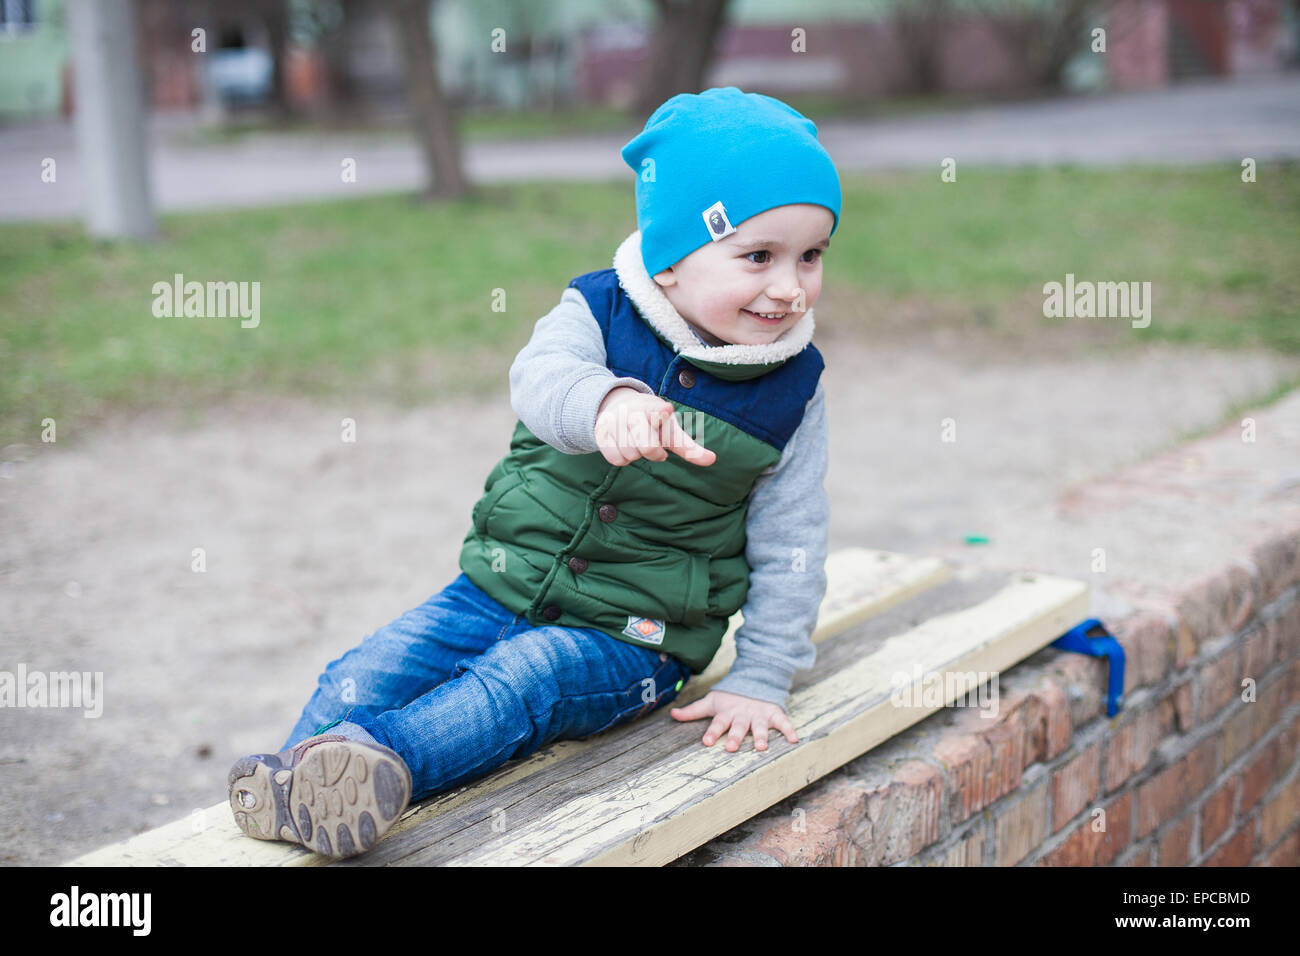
column 1092, row 638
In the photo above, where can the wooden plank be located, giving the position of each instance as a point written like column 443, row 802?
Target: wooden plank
column 992, row 637
column 654, row 799
column 861, row 583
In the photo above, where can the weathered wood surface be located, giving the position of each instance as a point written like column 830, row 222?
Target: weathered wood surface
column 648, row 792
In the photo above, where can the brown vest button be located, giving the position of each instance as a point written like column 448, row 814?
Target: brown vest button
column 577, row 565
column 686, row 377
column 551, row 612
column 607, row 512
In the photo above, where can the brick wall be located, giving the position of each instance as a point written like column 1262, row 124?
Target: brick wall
column 1137, row 41
column 1187, row 773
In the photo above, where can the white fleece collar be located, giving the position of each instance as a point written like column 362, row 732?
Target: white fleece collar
column 659, row 313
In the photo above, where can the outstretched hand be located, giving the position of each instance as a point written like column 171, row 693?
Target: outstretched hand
column 631, row 424
column 741, row 714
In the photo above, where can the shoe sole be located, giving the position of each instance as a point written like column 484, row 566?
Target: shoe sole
column 339, row 800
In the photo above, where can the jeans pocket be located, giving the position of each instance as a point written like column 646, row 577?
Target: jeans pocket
column 663, row 685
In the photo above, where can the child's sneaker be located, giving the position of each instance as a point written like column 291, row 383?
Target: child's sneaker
column 331, row 794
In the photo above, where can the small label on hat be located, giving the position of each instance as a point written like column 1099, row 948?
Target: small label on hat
column 715, row 217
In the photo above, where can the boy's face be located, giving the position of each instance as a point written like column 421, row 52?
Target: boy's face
column 722, row 287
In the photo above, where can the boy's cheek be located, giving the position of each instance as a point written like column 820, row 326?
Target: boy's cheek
column 714, row 307
column 812, row 288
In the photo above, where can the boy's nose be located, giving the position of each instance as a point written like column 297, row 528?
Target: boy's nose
column 782, row 292
column 783, row 284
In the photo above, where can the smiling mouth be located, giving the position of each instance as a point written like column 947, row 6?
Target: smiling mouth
column 766, row 316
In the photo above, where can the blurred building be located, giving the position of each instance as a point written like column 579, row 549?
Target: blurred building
column 33, row 50
column 859, row 50
column 510, row 53
column 1161, row 41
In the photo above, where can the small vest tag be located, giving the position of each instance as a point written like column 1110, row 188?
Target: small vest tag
column 646, row 629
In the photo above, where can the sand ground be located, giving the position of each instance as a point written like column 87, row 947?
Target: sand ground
column 312, row 543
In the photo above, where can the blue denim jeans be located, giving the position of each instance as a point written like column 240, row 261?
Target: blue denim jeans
column 460, row 685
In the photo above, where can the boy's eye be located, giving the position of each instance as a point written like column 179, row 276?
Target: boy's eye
column 815, row 254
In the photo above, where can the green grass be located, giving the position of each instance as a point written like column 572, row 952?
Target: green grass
column 537, row 123
column 472, row 125
column 1222, row 256
column 393, row 297
column 481, row 124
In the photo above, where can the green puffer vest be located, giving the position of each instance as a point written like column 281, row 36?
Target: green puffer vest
column 652, row 553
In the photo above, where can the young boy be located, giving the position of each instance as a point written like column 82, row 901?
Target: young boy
column 666, row 470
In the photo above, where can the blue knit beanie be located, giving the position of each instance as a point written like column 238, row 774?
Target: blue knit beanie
column 708, row 161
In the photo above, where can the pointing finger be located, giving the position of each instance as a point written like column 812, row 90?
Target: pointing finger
column 681, row 443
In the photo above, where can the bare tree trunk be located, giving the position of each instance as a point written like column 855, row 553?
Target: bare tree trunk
column 920, row 28
column 112, row 138
column 338, row 93
column 681, row 50
column 277, row 29
column 1042, row 42
column 435, row 126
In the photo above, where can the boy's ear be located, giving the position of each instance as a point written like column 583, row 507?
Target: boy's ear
column 666, row 278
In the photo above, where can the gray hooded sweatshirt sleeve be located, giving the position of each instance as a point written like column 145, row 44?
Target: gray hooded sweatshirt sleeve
column 557, row 382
